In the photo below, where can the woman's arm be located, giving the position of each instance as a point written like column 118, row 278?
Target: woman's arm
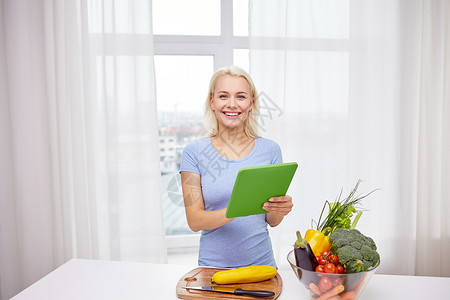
column 197, row 217
column 277, row 208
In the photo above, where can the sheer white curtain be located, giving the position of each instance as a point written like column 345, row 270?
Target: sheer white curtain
column 362, row 89
column 79, row 171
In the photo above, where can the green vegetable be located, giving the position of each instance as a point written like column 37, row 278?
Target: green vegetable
column 356, row 252
column 340, row 213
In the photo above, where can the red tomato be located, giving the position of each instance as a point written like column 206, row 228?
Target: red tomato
column 322, row 261
column 340, row 269
column 325, row 284
column 337, row 281
column 329, row 268
column 324, row 254
column 331, row 258
column 319, row 269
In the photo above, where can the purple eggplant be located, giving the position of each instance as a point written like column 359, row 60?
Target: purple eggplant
column 304, row 256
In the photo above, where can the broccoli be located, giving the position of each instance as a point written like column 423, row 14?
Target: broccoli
column 356, row 252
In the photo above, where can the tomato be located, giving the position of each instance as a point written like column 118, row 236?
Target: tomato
column 329, row 268
column 319, row 269
column 331, row 258
column 325, row 284
column 340, row 269
column 324, row 254
column 322, row 261
column 337, row 281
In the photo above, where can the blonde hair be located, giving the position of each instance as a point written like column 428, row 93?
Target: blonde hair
column 251, row 123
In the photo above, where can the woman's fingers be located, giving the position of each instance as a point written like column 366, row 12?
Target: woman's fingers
column 280, row 205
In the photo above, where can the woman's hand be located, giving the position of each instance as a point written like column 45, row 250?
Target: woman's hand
column 277, row 208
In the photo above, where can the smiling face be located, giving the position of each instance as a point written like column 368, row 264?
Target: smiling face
column 231, row 101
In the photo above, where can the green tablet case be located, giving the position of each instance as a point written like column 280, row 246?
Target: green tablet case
column 256, row 185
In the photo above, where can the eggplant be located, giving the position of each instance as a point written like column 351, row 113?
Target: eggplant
column 304, row 256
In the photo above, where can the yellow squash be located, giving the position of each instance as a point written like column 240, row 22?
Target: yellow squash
column 244, row 275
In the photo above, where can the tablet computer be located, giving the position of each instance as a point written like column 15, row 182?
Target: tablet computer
column 256, row 185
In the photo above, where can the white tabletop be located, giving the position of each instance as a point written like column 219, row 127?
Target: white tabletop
column 82, row 279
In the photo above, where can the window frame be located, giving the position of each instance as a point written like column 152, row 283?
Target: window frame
column 221, row 47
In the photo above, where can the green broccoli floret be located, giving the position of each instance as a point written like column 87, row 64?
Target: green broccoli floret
column 356, row 252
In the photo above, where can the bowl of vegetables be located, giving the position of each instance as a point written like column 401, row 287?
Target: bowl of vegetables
column 343, row 271
column 335, row 260
column 320, row 286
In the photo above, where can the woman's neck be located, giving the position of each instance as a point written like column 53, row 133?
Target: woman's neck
column 233, row 144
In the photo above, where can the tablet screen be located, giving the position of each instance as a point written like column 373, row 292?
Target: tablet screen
column 256, row 185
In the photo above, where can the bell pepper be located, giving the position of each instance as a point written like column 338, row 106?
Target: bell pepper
column 318, row 241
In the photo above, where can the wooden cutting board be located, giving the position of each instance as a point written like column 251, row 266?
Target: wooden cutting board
column 202, row 276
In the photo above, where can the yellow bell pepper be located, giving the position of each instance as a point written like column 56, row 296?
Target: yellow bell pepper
column 317, row 241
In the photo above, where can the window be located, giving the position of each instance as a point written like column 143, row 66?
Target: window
column 180, row 17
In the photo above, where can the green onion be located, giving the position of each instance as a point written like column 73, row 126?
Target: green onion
column 340, row 212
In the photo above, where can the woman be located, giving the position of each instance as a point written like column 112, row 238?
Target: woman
column 209, row 168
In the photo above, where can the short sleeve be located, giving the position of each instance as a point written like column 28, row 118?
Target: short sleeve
column 276, row 156
column 189, row 159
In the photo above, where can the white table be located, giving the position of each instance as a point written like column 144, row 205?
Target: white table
column 81, row 279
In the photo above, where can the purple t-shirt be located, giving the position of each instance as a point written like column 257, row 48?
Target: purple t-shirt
column 244, row 241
